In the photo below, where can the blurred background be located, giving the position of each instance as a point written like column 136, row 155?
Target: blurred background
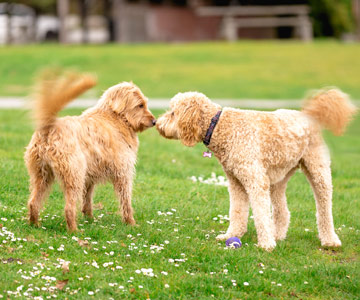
column 227, row 49
column 103, row 21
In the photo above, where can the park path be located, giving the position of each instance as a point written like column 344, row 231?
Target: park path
column 18, row 102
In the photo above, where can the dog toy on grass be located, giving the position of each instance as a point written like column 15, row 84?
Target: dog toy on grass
column 233, row 242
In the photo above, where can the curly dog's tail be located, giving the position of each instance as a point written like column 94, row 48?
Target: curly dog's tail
column 54, row 90
column 331, row 108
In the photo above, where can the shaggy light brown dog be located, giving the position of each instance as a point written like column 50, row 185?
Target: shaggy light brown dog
column 81, row 151
column 260, row 151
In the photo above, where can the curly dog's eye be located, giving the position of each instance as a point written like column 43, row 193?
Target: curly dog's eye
column 172, row 114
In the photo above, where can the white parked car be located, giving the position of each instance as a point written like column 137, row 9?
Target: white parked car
column 25, row 28
column 22, row 23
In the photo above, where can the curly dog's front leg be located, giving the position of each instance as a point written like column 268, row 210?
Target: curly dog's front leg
column 239, row 210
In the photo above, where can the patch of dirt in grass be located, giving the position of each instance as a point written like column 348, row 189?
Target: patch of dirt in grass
column 346, row 260
column 335, row 253
column 331, row 252
column 11, row 260
column 32, row 239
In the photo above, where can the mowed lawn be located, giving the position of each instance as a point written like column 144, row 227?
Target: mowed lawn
column 269, row 70
column 172, row 253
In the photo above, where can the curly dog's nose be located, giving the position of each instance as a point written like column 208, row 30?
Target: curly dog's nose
column 154, row 122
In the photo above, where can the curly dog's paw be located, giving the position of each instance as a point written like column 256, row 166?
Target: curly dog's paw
column 268, row 245
column 333, row 242
column 223, row 237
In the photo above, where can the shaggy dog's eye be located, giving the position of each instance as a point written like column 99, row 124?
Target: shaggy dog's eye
column 141, row 105
column 172, row 114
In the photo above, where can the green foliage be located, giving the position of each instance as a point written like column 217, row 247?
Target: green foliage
column 40, row 6
column 298, row 268
column 331, row 17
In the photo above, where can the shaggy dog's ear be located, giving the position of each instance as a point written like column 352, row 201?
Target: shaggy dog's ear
column 120, row 96
column 189, row 123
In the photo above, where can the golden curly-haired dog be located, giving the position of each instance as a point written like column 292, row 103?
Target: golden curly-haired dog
column 260, row 151
column 81, row 151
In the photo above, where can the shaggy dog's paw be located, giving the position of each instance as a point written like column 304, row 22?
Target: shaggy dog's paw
column 130, row 222
column 72, row 230
column 35, row 224
column 88, row 215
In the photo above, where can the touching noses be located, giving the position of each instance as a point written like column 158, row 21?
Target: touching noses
column 153, row 120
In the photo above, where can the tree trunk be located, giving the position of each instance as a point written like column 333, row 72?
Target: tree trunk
column 33, row 28
column 62, row 10
column 109, row 20
column 83, row 5
column 118, row 6
column 356, row 12
column 8, row 39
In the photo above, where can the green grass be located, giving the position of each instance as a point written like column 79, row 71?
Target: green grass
column 283, row 70
column 162, row 184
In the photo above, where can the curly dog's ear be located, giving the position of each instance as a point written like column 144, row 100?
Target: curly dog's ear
column 189, row 123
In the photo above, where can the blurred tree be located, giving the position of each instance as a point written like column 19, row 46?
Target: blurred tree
column 62, row 10
column 108, row 13
column 356, row 13
column 40, row 6
column 331, row 17
column 84, row 9
column 8, row 23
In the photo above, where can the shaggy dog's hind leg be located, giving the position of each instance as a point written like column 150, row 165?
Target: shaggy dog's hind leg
column 73, row 194
column 239, row 210
column 316, row 166
column 72, row 176
column 123, row 189
column 87, row 208
column 41, row 180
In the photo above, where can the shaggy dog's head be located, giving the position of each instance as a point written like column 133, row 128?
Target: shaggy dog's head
column 188, row 118
column 128, row 102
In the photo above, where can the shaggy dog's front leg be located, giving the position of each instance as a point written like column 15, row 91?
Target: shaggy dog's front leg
column 123, row 188
column 239, row 210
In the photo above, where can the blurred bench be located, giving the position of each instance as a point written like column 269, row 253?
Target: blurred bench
column 235, row 17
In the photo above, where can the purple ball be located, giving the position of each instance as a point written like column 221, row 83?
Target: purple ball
column 233, row 242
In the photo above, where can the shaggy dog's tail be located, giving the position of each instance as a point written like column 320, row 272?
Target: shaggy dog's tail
column 54, row 90
column 331, row 108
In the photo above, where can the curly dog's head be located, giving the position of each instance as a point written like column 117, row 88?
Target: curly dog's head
column 188, row 118
column 126, row 100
